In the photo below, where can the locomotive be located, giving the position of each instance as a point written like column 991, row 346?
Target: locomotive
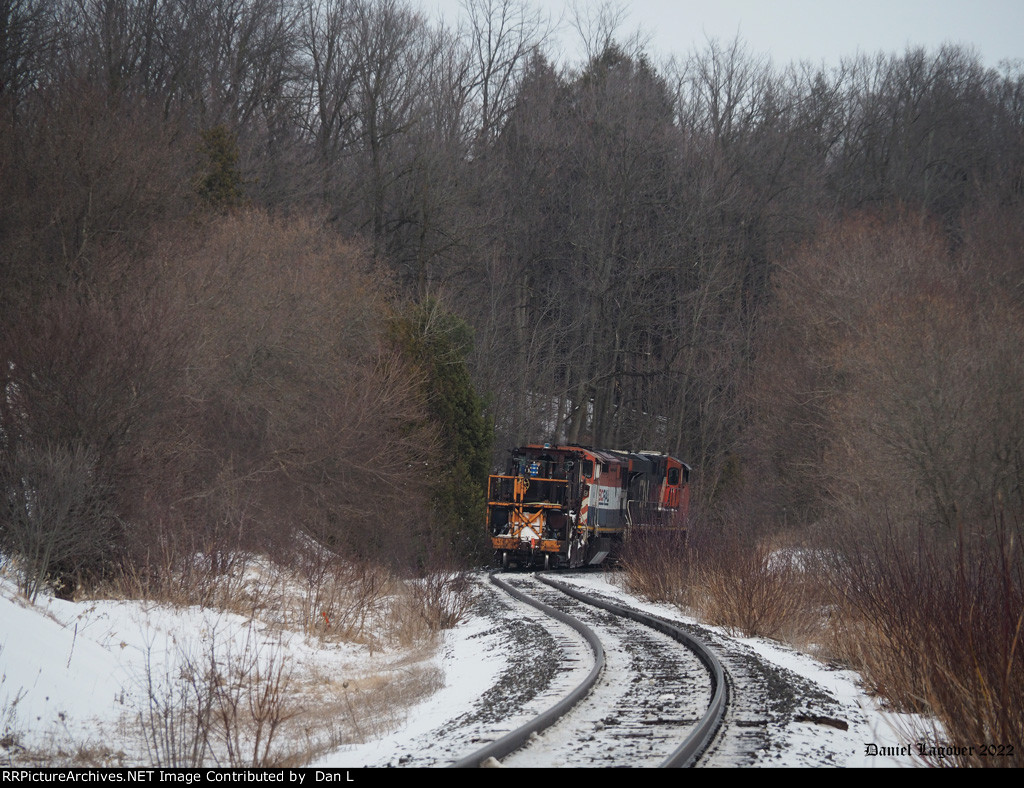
column 572, row 506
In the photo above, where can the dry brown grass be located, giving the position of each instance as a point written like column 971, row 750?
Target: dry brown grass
column 317, row 592
column 755, row 591
column 206, row 578
column 657, row 565
column 340, row 710
column 744, row 585
column 936, row 625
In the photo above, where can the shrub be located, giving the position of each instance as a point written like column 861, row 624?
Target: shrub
column 89, row 386
column 442, row 599
column 937, row 626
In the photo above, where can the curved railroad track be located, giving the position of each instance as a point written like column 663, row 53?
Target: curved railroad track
column 655, row 695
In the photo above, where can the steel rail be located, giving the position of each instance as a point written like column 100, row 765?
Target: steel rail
column 700, row 738
column 514, row 740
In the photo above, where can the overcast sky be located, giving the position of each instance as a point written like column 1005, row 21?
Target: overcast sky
column 815, row 30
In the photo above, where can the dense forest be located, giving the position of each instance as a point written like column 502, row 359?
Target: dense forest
column 277, row 273
column 315, row 264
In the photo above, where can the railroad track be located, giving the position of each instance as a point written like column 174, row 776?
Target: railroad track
column 655, row 695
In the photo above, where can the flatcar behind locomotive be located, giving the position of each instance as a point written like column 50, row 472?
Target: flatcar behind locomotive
column 573, row 506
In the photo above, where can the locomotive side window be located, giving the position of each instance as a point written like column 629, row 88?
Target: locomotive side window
column 588, row 469
column 673, row 476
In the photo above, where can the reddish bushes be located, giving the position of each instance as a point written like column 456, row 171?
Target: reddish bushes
column 219, row 394
column 300, row 414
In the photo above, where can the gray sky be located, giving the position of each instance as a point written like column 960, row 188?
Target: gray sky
column 815, row 30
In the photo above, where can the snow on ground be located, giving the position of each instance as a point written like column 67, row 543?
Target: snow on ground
column 73, row 676
column 471, row 660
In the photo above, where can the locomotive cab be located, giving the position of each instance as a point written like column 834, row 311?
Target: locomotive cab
column 533, row 507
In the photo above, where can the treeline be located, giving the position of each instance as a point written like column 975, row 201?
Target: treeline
column 253, row 250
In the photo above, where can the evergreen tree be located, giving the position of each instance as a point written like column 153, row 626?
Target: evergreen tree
column 220, row 181
column 438, row 343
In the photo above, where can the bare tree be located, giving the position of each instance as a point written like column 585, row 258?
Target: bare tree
column 300, row 417
column 26, row 41
column 502, row 36
column 332, row 63
column 924, row 129
column 598, row 29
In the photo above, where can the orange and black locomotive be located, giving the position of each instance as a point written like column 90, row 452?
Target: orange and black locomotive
column 573, row 506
